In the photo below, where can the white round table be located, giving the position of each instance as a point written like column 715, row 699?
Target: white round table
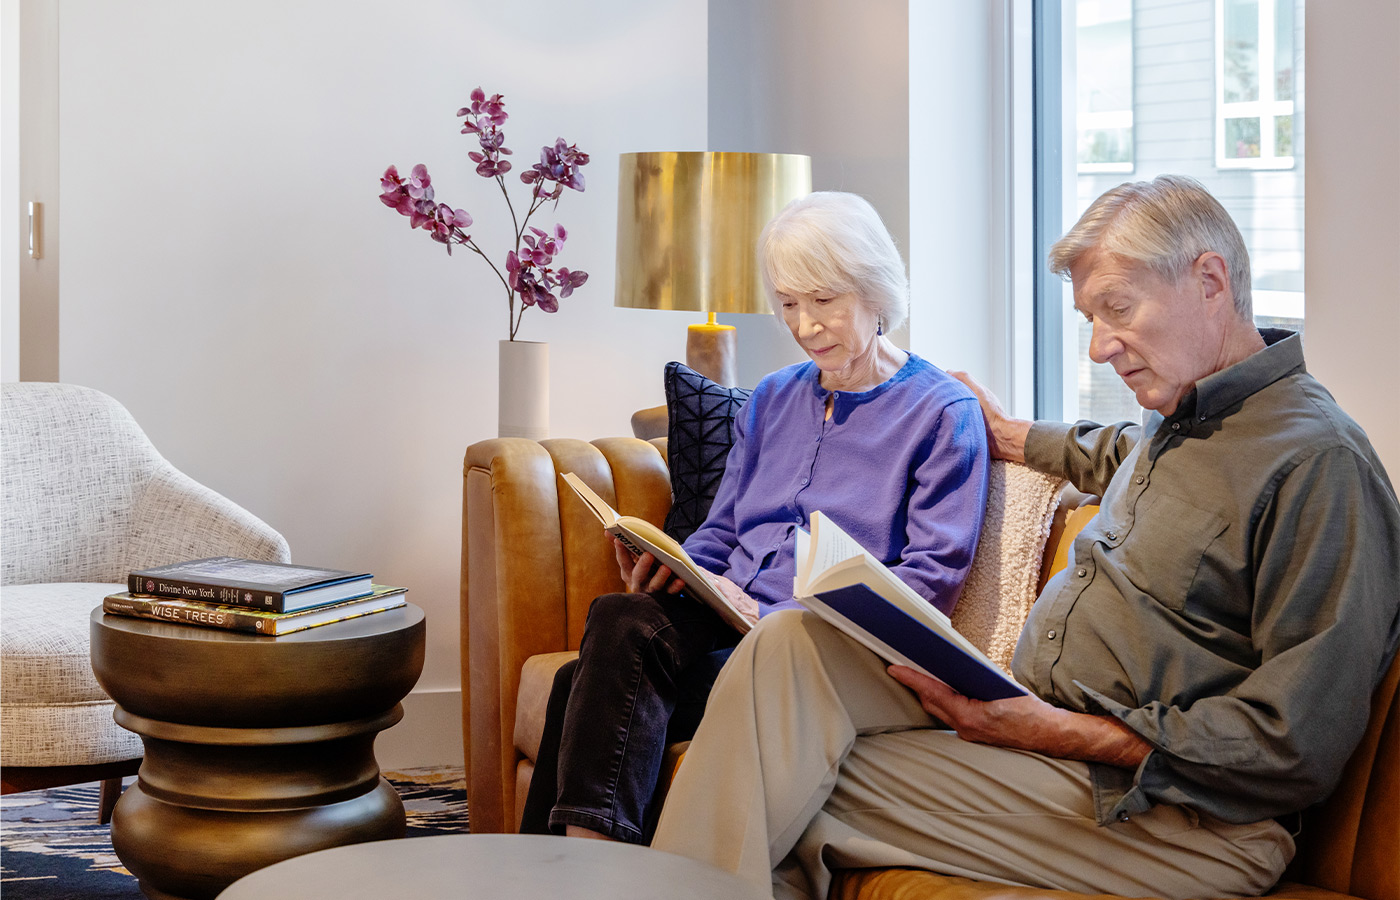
column 491, row 867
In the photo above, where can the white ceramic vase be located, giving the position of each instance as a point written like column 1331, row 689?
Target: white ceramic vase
column 524, row 390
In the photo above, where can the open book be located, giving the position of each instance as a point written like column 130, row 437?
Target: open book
column 853, row 591
column 640, row 536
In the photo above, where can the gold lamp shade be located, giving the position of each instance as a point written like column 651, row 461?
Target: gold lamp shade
column 688, row 225
column 687, row 236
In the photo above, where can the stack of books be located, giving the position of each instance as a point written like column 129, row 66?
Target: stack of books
column 251, row 596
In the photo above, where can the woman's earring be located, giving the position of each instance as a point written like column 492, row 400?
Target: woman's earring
column 880, row 325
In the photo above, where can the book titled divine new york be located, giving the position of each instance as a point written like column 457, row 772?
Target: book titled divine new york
column 275, row 587
column 855, row 592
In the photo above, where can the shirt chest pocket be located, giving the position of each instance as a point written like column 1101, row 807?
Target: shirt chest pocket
column 1162, row 552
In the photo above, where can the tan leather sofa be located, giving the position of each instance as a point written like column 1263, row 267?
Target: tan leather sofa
column 531, row 566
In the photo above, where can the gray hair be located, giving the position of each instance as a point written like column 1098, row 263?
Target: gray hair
column 833, row 241
column 1166, row 224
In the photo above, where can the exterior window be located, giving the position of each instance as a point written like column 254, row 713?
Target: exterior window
column 1104, row 78
column 1127, row 90
column 1254, row 124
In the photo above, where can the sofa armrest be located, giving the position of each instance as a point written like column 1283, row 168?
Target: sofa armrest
column 536, row 683
column 533, row 559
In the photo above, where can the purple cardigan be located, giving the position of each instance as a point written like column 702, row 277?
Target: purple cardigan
column 902, row 468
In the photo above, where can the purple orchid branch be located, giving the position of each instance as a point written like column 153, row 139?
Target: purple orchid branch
column 529, row 272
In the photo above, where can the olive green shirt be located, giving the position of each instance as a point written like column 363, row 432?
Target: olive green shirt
column 1237, row 598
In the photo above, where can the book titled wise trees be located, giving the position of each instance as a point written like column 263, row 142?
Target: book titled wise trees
column 253, row 621
column 843, row 584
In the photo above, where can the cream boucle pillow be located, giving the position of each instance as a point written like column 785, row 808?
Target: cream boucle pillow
column 1002, row 583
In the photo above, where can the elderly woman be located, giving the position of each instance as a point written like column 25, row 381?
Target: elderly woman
column 883, row 442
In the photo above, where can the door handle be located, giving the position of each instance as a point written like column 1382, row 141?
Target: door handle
column 36, row 211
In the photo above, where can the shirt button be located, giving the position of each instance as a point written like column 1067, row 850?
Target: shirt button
column 1176, row 426
column 1081, row 571
column 1139, row 479
column 1050, row 634
column 835, row 393
column 1111, row 535
column 819, row 439
column 1123, row 816
column 804, row 482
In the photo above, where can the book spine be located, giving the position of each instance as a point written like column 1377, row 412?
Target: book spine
column 176, row 589
column 225, row 619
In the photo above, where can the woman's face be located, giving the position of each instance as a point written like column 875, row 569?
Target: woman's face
column 836, row 330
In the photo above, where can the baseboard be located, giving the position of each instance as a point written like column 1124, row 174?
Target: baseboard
column 429, row 735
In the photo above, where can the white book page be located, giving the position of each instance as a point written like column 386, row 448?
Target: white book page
column 802, row 557
column 831, row 545
column 878, row 577
column 600, row 507
column 641, row 536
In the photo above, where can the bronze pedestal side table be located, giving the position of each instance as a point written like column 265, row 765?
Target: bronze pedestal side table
column 258, row 748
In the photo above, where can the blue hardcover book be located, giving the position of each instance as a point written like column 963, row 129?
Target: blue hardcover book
column 847, row 587
column 274, row 587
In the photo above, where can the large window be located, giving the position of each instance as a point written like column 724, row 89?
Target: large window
column 1132, row 89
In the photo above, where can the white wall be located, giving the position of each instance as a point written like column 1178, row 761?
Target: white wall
column 231, row 276
column 956, row 186
column 828, row 78
column 1352, row 228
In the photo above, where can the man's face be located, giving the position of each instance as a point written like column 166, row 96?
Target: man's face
column 1160, row 337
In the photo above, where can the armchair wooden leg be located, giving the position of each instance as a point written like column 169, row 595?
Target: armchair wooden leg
column 107, row 799
column 36, row 778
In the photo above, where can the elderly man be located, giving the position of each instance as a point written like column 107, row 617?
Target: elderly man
column 1199, row 674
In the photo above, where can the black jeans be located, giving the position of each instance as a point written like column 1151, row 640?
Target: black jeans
column 645, row 667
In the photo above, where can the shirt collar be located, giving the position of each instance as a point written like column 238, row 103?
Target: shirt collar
column 1282, row 356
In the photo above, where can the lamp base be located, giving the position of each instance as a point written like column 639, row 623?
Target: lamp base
column 712, row 350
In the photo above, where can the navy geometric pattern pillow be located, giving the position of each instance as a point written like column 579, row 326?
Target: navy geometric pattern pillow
column 700, row 416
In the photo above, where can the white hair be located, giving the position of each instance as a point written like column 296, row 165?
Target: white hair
column 834, row 241
column 1165, row 224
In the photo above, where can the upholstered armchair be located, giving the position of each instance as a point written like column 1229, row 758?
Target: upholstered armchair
column 87, row 499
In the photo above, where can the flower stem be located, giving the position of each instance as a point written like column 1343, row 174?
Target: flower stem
column 510, row 294
column 519, row 230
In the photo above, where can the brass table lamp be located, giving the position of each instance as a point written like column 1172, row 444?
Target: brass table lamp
column 687, row 233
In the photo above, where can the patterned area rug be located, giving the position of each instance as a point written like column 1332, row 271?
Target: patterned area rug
column 51, row 847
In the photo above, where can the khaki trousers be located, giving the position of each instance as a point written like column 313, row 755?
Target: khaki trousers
column 811, row 758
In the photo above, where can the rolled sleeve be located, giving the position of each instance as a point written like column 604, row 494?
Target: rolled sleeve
column 1086, row 454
